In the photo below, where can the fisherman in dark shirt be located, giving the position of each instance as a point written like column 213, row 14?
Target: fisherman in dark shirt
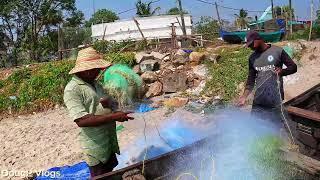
column 265, row 75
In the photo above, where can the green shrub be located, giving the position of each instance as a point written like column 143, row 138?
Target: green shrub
column 36, row 88
column 304, row 34
column 126, row 58
column 301, row 34
column 231, row 70
column 208, row 27
column 2, row 84
column 104, row 46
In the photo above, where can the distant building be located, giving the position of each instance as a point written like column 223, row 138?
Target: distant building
column 153, row 27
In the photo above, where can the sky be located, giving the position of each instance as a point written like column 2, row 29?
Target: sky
column 196, row 8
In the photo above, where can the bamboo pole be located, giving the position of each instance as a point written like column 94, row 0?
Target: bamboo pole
column 138, row 26
column 311, row 25
column 290, row 12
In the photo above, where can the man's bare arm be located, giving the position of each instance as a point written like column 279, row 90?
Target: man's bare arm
column 98, row 120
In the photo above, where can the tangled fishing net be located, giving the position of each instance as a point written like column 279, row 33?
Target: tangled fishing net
column 122, row 83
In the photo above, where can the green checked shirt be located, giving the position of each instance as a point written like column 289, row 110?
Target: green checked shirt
column 81, row 99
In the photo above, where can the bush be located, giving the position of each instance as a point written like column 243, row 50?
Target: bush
column 304, row 34
column 126, row 58
column 208, row 27
column 226, row 75
column 104, row 46
column 301, row 34
column 35, row 88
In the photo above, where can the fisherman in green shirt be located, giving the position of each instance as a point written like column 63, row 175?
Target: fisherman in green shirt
column 92, row 110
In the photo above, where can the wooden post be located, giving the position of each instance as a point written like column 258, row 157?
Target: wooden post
column 179, row 22
column 184, row 42
column 184, row 31
column 94, row 7
column 311, row 25
column 137, row 23
column 174, row 36
column 104, row 32
column 272, row 10
column 290, row 13
column 218, row 15
column 59, row 44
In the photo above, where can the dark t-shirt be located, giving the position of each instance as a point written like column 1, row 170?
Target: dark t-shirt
column 262, row 76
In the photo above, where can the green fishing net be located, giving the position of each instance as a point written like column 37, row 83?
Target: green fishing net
column 122, row 83
column 269, row 160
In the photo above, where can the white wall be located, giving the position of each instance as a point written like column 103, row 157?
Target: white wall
column 152, row 27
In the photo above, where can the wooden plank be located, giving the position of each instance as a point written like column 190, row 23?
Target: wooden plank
column 304, row 113
column 317, row 100
column 302, row 97
column 305, row 163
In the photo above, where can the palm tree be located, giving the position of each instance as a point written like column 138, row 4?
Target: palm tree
column 242, row 19
column 144, row 9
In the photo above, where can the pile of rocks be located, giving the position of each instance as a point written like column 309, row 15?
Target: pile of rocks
column 176, row 72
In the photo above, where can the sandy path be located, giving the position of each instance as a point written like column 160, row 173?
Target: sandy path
column 308, row 74
column 44, row 140
column 37, row 142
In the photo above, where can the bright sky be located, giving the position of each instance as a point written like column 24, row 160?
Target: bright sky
column 196, row 8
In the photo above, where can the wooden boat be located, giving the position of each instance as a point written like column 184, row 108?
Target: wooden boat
column 238, row 37
column 304, row 112
column 304, row 116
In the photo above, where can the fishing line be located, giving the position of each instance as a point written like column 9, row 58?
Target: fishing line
column 282, row 111
column 146, row 147
column 281, row 103
column 186, row 174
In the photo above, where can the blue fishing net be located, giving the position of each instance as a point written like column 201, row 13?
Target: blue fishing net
column 78, row 171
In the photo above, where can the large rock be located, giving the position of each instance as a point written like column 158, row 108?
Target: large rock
column 136, row 69
column 196, row 57
column 159, row 56
column 155, row 89
column 165, row 72
column 175, row 82
column 213, row 57
column 149, row 65
column 180, row 60
column 176, row 102
column 149, row 77
column 181, row 52
column 197, row 91
column 142, row 56
column 201, row 70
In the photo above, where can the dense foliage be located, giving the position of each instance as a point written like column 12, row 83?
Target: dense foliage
column 41, row 86
column 102, row 16
column 304, row 34
column 175, row 11
column 144, row 9
column 126, row 58
column 35, row 88
column 208, row 27
column 104, row 46
column 27, row 25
